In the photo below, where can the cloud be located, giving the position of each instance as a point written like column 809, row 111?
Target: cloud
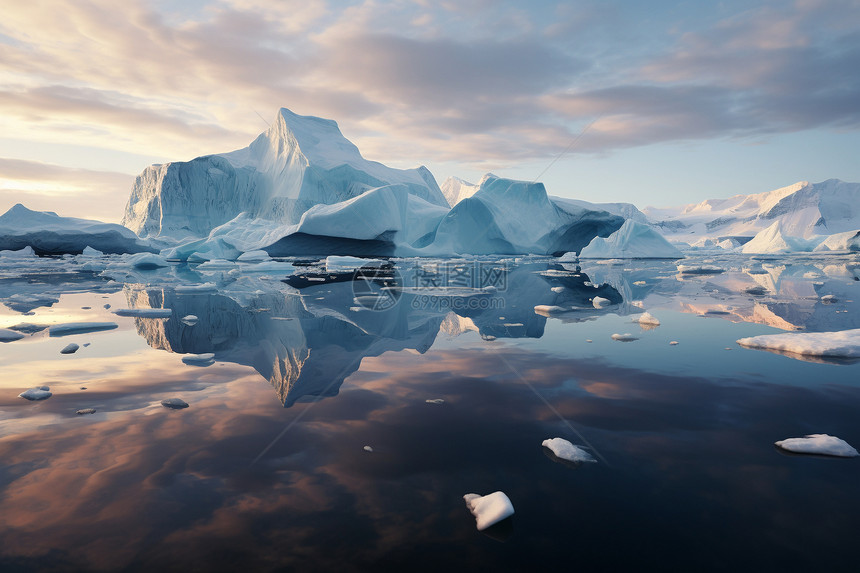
column 70, row 192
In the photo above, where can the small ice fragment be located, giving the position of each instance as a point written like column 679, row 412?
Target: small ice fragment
column 144, row 312
column 673, row 343
column 490, row 288
column 588, row 340
column 107, row 305
column 558, row 289
column 206, row 359
column 639, row 283
column 489, row 509
column 821, row 444
column 435, row 401
column 253, row 257
column 626, row 337
column 756, row 290
column 7, row 335
column 38, row 393
column 599, row 302
column 86, row 411
column 567, row 451
column 174, row 403
column 83, row 387
column 829, row 299
column 70, row 348
column 189, row 320
column 549, row 309
column 646, row 318
column 367, row 449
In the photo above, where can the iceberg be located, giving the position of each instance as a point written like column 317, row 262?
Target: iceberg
column 489, row 509
column 455, row 190
column 47, row 233
column 38, row 393
column 632, row 241
column 773, row 240
column 299, row 162
column 848, row 241
column 820, row 444
column 506, row 216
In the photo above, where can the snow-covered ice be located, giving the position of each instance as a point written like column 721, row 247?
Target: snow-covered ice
column 345, row 264
column 646, row 318
column 626, row 337
column 632, row 241
column 821, row 444
column 565, row 450
column 189, row 320
column 489, row 509
column 840, row 344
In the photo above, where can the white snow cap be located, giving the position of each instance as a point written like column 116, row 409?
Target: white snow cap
column 821, row 444
column 489, row 509
column 567, row 451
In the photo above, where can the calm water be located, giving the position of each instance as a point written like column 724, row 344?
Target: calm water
column 266, row 470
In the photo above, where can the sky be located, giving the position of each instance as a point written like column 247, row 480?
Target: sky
column 655, row 103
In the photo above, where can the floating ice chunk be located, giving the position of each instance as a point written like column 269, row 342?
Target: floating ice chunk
column 253, row 257
column 639, row 283
column 567, row 451
column 206, row 359
column 632, row 241
column 435, row 401
column 268, row 267
column 646, row 318
column 700, row 270
column 85, row 411
column 70, row 348
column 600, row 302
column 7, row 335
column 146, row 261
column 367, row 449
column 216, row 265
column 80, row 328
column 202, row 287
column 558, row 289
column 38, row 393
column 840, row 344
column 343, row 264
column 820, row 444
column 549, row 309
column 673, row 343
column 757, row 290
column 489, row 509
column 626, row 337
column 25, row 252
column 189, row 320
column 144, row 312
column 174, row 403
column 829, row 299
column 91, row 252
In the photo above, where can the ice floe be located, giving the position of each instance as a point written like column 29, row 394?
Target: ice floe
column 820, row 444
column 85, row 411
column 489, row 509
column 626, row 337
column 565, row 450
column 144, row 312
column 646, row 318
column 189, row 320
column 840, row 344
column 206, row 359
column 70, row 348
column 80, row 328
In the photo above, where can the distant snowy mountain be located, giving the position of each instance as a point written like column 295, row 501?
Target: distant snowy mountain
column 802, row 210
column 455, row 190
column 299, row 162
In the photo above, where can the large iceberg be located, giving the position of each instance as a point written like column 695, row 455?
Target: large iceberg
column 632, row 241
column 299, row 162
column 50, row 234
column 517, row 217
column 455, row 190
